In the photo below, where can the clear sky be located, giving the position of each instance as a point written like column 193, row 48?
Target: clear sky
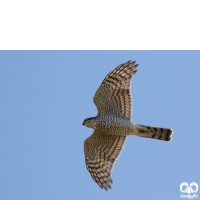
column 46, row 95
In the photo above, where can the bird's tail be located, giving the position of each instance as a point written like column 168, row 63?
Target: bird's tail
column 154, row 132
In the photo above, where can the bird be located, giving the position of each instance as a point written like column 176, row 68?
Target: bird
column 113, row 125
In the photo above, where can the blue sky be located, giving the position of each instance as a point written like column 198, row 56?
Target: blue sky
column 46, row 95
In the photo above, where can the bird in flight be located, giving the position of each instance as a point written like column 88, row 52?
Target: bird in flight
column 113, row 124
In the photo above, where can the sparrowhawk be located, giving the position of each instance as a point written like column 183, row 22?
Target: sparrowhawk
column 113, row 124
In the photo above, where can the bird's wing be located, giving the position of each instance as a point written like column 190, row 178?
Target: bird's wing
column 101, row 151
column 114, row 95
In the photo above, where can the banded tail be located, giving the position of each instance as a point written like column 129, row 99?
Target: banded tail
column 154, row 132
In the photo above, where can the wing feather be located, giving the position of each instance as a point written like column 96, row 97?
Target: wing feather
column 101, row 151
column 114, row 95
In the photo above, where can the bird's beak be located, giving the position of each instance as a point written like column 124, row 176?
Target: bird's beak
column 83, row 123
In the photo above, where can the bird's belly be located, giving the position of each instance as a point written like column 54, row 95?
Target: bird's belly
column 115, row 126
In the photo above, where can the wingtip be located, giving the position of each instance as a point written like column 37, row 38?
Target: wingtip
column 134, row 65
column 130, row 61
column 110, row 179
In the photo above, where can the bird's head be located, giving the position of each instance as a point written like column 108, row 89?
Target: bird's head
column 90, row 122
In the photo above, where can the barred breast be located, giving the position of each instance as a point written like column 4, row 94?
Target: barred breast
column 114, row 125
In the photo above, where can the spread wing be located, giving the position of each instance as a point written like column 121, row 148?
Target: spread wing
column 114, row 95
column 101, row 151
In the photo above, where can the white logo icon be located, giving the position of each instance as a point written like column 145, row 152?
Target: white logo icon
column 192, row 188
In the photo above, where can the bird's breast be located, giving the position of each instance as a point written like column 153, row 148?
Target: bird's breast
column 114, row 125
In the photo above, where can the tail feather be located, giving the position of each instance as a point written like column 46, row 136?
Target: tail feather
column 155, row 132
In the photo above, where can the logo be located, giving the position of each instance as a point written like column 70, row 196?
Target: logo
column 190, row 189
